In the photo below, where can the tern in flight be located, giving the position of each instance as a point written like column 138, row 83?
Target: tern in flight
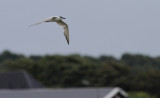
column 58, row 20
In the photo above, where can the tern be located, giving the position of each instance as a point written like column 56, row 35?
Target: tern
column 58, row 20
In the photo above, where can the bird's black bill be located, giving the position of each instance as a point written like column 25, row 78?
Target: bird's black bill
column 62, row 17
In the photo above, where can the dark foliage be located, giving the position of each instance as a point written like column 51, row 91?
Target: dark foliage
column 131, row 72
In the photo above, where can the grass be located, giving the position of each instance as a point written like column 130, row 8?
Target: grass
column 140, row 95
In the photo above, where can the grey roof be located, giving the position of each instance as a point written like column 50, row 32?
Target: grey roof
column 59, row 93
column 18, row 80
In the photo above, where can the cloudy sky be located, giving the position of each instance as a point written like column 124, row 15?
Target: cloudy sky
column 97, row 27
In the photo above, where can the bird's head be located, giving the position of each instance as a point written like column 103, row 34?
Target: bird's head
column 62, row 17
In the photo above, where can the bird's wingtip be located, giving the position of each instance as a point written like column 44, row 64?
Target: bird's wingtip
column 29, row 26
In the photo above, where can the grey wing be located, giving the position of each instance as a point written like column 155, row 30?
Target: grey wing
column 46, row 20
column 65, row 28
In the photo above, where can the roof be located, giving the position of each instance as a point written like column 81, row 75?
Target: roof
column 18, row 80
column 64, row 93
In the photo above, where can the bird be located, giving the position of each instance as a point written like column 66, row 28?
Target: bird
column 58, row 20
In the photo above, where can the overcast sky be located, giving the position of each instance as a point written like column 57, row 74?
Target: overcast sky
column 97, row 27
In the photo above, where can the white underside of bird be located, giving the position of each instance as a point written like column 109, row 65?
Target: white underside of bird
column 58, row 20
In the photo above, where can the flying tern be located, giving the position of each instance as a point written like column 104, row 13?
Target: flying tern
column 58, row 20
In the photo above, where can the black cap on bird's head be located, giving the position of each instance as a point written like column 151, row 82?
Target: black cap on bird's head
column 62, row 17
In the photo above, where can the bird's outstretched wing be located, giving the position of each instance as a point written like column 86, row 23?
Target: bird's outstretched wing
column 65, row 28
column 46, row 20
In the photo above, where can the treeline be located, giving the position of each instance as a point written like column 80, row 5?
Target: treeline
column 130, row 72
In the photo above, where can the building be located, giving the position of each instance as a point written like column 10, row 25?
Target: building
column 65, row 93
column 22, row 85
column 18, row 80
